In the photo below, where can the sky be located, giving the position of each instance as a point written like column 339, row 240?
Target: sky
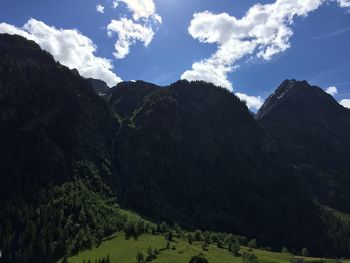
column 248, row 47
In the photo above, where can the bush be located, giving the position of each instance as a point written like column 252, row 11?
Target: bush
column 198, row 235
column 205, row 246
column 249, row 258
column 234, row 248
column 198, row 259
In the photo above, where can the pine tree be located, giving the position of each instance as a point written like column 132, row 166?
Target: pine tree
column 305, row 252
column 284, row 250
column 190, row 238
column 252, row 243
column 235, row 248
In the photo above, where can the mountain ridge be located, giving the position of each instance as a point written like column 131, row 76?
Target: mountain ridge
column 190, row 153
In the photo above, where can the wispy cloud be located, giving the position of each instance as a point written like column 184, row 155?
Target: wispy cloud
column 333, row 34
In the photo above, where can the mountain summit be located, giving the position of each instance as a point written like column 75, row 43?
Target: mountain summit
column 312, row 131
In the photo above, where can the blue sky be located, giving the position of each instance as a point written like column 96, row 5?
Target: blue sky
column 317, row 50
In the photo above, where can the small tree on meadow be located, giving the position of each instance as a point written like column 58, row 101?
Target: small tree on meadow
column 150, row 251
column 219, row 244
column 190, row 238
column 235, row 248
column 139, row 257
column 207, row 236
column 205, row 245
column 305, row 252
column 285, row 250
column 252, row 243
column 177, row 228
column 198, row 259
column 198, row 235
column 249, row 258
column 163, row 227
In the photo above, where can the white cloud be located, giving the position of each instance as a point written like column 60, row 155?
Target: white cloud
column 139, row 28
column 264, row 31
column 100, row 9
column 142, row 9
column 332, row 90
column 345, row 103
column 128, row 33
column 69, row 47
column 344, row 3
column 251, row 101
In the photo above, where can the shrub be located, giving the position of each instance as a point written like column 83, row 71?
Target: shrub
column 198, row 259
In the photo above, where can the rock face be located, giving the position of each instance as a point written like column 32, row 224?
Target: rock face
column 100, row 87
column 312, row 131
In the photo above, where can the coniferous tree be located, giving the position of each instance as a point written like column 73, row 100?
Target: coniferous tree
column 235, row 248
column 305, row 252
column 252, row 243
column 284, row 250
column 198, row 236
column 190, row 238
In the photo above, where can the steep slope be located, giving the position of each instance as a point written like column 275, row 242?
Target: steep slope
column 193, row 153
column 55, row 137
column 100, row 87
column 313, row 132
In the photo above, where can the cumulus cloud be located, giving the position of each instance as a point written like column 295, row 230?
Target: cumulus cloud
column 139, row 28
column 251, row 101
column 100, row 9
column 345, row 103
column 332, row 90
column 115, row 4
column 344, row 3
column 142, row 9
column 69, row 47
column 264, row 31
column 128, row 33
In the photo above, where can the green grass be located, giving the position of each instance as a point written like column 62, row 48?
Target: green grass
column 124, row 251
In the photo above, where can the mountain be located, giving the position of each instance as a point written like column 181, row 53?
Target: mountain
column 193, row 153
column 57, row 177
column 190, row 153
column 100, row 87
column 312, row 131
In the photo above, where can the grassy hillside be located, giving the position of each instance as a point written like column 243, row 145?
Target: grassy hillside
column 180, row 251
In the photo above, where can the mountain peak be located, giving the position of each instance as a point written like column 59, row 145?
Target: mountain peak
column 297, row 94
